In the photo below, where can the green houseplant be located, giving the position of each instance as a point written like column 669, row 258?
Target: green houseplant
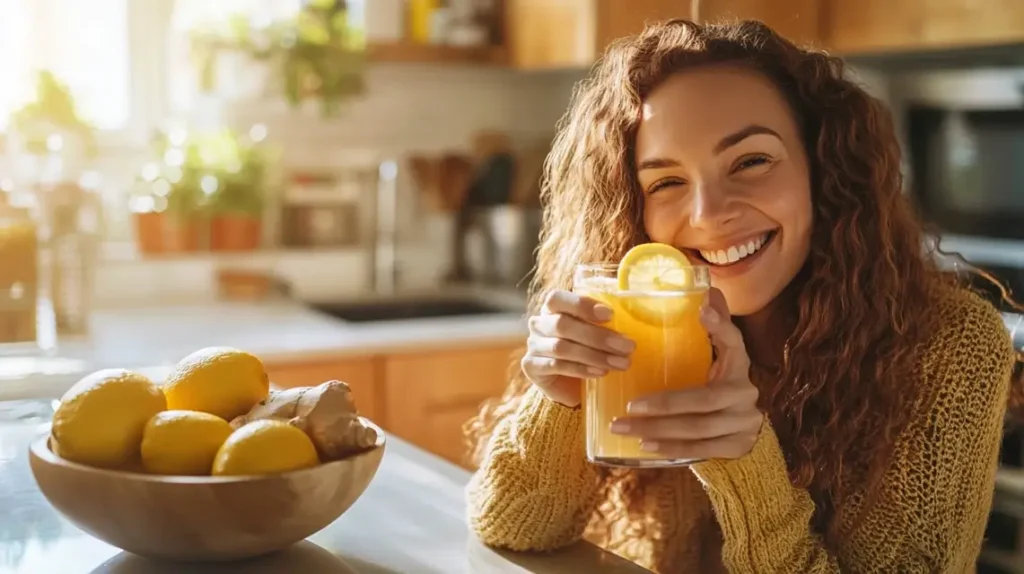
column 236, row 204
column 317, row 54
column 166, row 207
column 52, row 110
column 219, row 178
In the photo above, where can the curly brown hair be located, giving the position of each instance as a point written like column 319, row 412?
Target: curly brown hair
column 840, row 396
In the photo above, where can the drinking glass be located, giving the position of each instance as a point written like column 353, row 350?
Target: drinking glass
column 672, row 352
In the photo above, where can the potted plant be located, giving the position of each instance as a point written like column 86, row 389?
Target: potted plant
column 166, row 206
column 317, row 52
column 236, row 204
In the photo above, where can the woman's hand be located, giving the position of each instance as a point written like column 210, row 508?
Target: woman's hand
column 720, row 420
column 567, row 345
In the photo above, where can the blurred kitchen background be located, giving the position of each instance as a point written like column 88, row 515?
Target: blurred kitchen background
column 350, row 188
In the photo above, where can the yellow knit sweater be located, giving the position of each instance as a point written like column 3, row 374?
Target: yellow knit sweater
column 536, row 491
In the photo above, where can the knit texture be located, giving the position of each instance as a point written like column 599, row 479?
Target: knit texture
column 536, row 491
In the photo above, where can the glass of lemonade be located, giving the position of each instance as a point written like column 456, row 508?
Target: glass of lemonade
column 656, row 303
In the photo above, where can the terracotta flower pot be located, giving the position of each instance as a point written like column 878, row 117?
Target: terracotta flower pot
column 158, row 233
column 232, row 232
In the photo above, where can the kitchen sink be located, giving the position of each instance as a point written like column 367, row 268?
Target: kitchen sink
column 403, row 309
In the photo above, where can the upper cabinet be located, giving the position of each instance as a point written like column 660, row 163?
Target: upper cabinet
column 553, row 34
column 797, row 20
column 865, row 26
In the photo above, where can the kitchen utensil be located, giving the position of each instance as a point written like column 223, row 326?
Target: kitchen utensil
column 489, row 192
column 456, row 176
column 529, row 173
column 203, row 518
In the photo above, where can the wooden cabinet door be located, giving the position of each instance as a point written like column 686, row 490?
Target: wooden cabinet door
column 796, row 20
column 553, row 34
column 864, row 26
column 430, row 396
column 359, row 373
column 950, row 23
column 617, row 19
column 873, row 25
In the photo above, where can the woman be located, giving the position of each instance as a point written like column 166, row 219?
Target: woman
column 854, row 416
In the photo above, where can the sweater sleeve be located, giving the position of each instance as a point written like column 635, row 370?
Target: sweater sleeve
column 535, row 489
column 935, row 498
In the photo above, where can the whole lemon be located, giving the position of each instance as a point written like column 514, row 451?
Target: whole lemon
column 182, row 442
column 265, row 447
column 218, row 380
column 101, row 418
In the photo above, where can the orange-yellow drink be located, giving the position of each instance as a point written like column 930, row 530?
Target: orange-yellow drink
column 655, row 296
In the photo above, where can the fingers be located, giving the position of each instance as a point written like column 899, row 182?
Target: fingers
column 727, row 447
column 567, row 350
column 569, row 328
column 689, row 428
column 698, row 400
column 733, row 361
column 569, row 303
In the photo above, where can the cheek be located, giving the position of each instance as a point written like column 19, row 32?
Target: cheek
column 661, row 221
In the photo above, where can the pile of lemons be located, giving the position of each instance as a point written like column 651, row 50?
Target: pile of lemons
column 118, row 419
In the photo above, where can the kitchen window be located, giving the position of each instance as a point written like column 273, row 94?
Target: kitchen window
column 110, row 53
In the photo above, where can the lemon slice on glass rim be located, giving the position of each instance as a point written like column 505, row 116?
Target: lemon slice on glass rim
column 655, row 267
column 660, row 282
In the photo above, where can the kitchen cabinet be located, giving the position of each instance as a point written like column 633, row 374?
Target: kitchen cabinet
column 554, row 34
column 424, row 397
column 359, row 373
column 865, row 26
column 429, row 396
column 797, row 20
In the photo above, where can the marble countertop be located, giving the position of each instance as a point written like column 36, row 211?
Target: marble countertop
column 135, row 337
column 411, row 520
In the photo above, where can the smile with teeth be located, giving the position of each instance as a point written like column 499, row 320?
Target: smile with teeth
column 736, row 253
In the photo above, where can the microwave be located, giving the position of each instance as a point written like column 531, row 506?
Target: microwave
column 967, row 169
column 967, row 179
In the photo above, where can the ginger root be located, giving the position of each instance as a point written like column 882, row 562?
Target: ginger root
column 325, row 412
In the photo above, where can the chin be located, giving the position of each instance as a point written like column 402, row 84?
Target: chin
column 742, row 302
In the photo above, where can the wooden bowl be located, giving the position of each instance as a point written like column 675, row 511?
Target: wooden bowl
column 203, row 518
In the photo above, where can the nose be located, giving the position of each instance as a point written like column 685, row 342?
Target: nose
column 711, row 207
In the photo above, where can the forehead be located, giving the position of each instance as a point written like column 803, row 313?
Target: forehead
column 709, row 102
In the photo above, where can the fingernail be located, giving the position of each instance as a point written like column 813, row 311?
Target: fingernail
column 621, row 344
column 618, row 362
column 602, row 312
column 637, row 407
column 597, row 371
column 620, row 426
column 710, row 315
column 650, row 445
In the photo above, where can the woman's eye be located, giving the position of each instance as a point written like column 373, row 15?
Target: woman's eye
column 752, row 161
column 663, row 183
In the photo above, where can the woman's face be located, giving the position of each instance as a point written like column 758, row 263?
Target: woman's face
column 725, row 178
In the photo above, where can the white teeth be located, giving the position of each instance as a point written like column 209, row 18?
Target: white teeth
column 735, row 252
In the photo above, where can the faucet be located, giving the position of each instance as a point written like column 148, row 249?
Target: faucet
column 384, row 271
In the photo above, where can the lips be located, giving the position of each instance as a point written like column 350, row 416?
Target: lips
column 734, row 254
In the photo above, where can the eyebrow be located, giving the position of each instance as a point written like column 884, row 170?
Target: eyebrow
column 724, row 144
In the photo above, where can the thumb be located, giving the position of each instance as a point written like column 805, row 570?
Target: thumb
column 732, row 361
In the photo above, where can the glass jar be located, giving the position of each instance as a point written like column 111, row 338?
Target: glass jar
column 26, row 325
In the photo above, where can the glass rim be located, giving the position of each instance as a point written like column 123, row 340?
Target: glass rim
column 608, row 266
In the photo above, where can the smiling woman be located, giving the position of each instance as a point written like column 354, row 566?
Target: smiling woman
column 854, row 409
column 739, row 201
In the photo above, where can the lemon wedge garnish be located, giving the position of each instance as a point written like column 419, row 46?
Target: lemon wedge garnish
column 659, row 280
column 655, row 267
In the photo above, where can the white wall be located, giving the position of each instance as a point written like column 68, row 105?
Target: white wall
column 406, row 109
